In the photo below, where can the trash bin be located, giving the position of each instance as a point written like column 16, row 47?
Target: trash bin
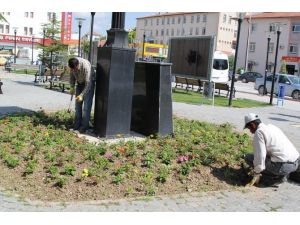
column 208, row 89
column 281, row 94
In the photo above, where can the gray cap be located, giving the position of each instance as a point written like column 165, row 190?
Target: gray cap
column 250, row 117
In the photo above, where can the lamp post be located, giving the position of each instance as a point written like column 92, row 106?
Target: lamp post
column 275, row 65
column 91, row 37
column 15, row 31
column 44, row 33
column 240, row 20
column 79, row 33
column 144, row 38
column 267, row 62
column 32, row 49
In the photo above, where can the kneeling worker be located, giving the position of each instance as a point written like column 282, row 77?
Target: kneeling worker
column 274, row 155
column 81, row 72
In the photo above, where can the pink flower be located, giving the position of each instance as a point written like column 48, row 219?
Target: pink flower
column 108, row 155
column 182, row 158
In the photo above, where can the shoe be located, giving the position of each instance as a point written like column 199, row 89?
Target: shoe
column 82, row 131
column 273, row 181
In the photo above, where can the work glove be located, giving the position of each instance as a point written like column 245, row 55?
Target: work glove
column 72, row 91
column 255, row 179
column 79, row 98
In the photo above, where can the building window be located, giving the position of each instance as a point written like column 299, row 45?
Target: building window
column 198, row 18
column 224, row 18
column 184, row 19
column 151, row 22
column 253, row 27
column 7, row 29
column 272, row 27
column 173, row 20
column 197, row 31
column 182, row 31
column 293, row 49
column 179, row 18
column 204, row 19
column 151, row 33
column 162, row 21
column 230, row 18
column 235, row 34
column 1, row 28
column 161, row 42
column 156, row 32
column 31, row 14
column 167, row 32
column 296, row 28
column 172, row 32
column 178, row 32
column 203, row 30
column 26, row 14
column 192, row 19
column 145, row 22
column 191, row 31
column 157, row 21
column 168, row 20
column 271, row 47
column 25, row 30
column 30, row 31
column 252, row 47
column 162, row 32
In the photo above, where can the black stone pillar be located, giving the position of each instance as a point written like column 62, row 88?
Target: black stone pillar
column 114, row 82
column 152, row 99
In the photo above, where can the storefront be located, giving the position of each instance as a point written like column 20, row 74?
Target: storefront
column 292, row 64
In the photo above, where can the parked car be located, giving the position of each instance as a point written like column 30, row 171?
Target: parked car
column 290, row 82
column 249, row 76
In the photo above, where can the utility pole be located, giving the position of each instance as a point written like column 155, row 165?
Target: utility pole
column 267, row 63
column 275, row 65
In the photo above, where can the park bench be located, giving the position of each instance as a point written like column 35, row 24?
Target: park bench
column 224, row 87
column 189, row 82
column 60, row 78
column 25, row 68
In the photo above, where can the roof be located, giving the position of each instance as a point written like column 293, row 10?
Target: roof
column 274, row 15
column 166, row 14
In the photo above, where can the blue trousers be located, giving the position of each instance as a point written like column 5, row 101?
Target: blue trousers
column 82, row 117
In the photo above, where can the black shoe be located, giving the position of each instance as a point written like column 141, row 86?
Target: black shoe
column 82, row 131
column 273, row 181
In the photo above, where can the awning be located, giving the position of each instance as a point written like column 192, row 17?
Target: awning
column 291, row 58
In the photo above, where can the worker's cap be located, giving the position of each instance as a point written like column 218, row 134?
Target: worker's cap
column 250, row 117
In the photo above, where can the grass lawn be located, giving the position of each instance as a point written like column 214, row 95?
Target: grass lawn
column 198, row 98
column 30, row 72
column 41, row 159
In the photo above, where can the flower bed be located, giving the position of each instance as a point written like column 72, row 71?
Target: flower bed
column 41, row 159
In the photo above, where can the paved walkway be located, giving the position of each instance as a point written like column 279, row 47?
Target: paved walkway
column 20, row 94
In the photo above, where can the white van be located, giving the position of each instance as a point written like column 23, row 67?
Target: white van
column 220, row 68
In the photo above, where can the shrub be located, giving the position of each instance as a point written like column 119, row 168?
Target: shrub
column 31, row 166
column 70, row 170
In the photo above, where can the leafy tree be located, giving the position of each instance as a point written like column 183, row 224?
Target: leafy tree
column 56, row 52
column 131, row 35
column 231, row 62
column 2, row 18
column 283, row 67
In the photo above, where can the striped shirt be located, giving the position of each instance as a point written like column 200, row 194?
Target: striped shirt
column 82, row 76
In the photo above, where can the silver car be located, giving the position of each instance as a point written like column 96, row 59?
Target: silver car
column 290, row 82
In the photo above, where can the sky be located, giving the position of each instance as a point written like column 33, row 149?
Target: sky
column 102, row 21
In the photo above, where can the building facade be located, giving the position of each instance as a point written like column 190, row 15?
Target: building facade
column 25, row 29
column 255, row 31
column 159, row 28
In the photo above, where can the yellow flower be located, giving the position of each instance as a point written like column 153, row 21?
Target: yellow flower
column 85, row 173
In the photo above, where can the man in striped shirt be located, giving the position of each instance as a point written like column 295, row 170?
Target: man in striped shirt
column 82, row 74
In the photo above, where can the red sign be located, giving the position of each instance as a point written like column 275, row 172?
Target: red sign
column 291, row 58
column 69, row 26
column 22, row 40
